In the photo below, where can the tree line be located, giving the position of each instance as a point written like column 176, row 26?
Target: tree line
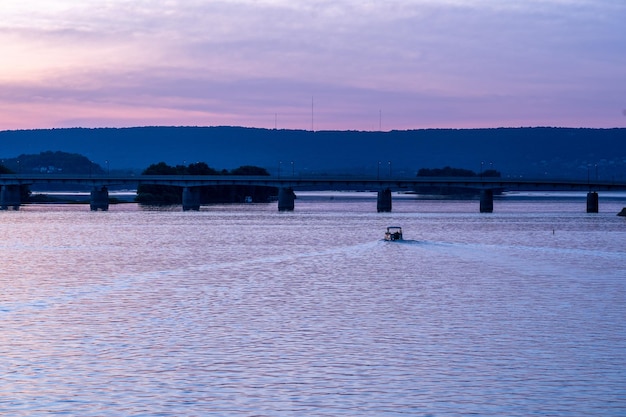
column 50, row 162
column 168, row 195
column 453, row 172
column 456, row 172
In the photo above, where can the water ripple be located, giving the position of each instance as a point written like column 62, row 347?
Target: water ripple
column 164, row 315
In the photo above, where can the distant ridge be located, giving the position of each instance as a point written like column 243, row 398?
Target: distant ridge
column 529, row 151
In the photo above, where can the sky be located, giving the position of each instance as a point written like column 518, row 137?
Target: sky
column 314, row 64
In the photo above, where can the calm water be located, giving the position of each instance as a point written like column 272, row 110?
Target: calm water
column 244, row 311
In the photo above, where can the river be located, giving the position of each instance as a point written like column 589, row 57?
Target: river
column 239, row 310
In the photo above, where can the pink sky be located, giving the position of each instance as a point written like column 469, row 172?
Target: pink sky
column 365, row 65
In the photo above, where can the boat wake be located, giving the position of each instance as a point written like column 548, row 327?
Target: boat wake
column 404, row 242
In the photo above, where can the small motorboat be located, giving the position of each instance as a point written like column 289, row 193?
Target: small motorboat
column 393, row 233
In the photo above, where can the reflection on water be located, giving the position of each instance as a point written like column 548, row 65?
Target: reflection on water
column 241, row 311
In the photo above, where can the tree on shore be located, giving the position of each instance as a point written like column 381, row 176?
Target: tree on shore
column 455, row 172
column 168, row 195
column 50, row 162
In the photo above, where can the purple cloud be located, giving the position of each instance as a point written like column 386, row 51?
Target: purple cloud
column 418, row 63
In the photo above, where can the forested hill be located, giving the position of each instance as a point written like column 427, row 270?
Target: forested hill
column 551, row 152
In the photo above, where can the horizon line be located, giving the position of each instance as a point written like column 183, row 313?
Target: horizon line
column 303, row 130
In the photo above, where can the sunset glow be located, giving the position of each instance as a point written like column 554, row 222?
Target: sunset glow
column 363, row 65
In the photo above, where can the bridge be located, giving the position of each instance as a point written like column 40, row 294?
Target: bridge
column 10, row 183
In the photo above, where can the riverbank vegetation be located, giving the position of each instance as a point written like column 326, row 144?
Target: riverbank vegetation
column 168, row 195
column 50, row 162
column 449, row 172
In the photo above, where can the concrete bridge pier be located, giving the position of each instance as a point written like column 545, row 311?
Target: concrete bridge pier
column 286, row 199
column 592, row 202
column 383, row 205
column 10, row 197
column 191, row 198
column 99, row 198
column 486, row 201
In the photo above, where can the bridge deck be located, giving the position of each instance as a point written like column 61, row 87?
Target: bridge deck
column 320, row 183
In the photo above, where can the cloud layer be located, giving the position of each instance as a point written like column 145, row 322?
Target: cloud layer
column 338, row 64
